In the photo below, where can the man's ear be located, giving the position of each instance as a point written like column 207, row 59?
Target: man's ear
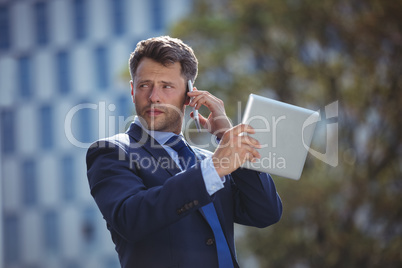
column 187, row 99
column 132, row 90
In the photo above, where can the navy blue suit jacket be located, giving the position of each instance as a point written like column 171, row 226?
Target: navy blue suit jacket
column 151, row 207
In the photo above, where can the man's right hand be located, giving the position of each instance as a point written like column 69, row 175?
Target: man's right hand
column 234, row 149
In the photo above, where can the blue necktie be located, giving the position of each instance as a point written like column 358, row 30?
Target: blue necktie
column 187, row 159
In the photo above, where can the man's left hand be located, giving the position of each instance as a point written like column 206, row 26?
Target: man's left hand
column 217, row 122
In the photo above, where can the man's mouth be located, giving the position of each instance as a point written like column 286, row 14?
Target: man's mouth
column 154, row 112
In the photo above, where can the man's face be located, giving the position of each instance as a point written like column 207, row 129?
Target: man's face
column 159, row 95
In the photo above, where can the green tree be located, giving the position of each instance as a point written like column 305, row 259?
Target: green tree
column 312, row 53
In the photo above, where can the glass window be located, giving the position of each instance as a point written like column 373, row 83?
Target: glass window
column 11, row 239
column 4, row 28
column 85, row 124
column 124, row 106
column 41, row 21
column 24, row 77
column 157, row 15
column 111, row 262
column 118, row 16
column 80, row 19
column 51, row 231
column 70, row 264
column 89, row 226
column 29, row 183
column 101, row 67
column 67, row 177
column 46, row 127
column 124, row 112
column 7, row 131
column 63, row 72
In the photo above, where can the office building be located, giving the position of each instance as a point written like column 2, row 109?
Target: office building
column 63, row 84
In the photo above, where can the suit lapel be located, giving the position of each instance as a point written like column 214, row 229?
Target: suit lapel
column 149, row 144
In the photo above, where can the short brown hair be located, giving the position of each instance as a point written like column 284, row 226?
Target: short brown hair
column 165, row 50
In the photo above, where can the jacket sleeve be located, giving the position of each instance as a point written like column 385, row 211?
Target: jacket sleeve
column 256, row 201
column 131, row 208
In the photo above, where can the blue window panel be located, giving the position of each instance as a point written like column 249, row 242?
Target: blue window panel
column 24, row 77
column 80, row 19
column 51, row 232
column 41, row 21
column 101, row 67
column 118, row 17
column 157, row 17
column 71, row 264
column 11, row 236
column 67, row 178
column 7, row 131
column 124, row 106
column 86, row 125
column 63, row 72
column 46, row 138
column 29, row 183
column 4, row 28
column 124, row 110
column 32, row 266
column 89, row 226
column 111, row 262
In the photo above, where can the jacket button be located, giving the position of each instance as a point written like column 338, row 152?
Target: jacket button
column 210, row 242
column 195, row 202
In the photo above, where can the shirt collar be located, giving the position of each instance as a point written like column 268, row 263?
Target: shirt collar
column 160, row 136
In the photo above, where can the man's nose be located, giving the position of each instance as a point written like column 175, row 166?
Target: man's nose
column 154, row 96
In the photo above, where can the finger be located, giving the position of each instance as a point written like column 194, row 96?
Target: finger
column 256, row 155
column 250, row 141
column 190, row 94
column 198, row 100
column 202, row 119
column 207, row 99
column 232, row 138
column 201, row 101
column 242, row 128
column 195, row 92
column 249, row 154
column 250, row 157
column 252, row 153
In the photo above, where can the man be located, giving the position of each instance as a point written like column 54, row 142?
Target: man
column 162, row 211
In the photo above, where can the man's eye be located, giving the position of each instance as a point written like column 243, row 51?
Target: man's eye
column 143, row 85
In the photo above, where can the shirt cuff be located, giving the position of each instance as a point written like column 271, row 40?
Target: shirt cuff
column 213, row 182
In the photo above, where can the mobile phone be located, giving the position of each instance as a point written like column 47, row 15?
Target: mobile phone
column 195, row 111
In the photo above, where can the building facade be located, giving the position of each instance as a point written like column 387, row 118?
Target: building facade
column 64, row 84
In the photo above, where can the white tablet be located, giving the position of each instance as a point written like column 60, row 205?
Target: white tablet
column 284, row 130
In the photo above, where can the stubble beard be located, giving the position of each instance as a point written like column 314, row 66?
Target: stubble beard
column 169, row 121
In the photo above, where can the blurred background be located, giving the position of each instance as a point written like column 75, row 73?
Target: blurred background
column 64, row 83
